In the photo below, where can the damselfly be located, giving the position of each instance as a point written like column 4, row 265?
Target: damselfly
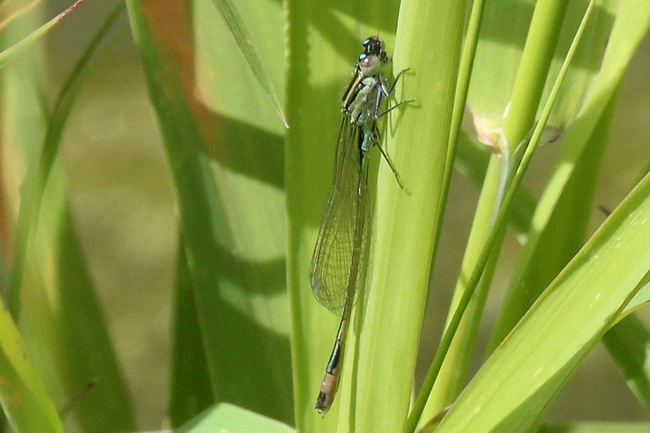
column 338, row 265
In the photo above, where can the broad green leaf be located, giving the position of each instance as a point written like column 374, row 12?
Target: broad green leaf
column 485, row 234
column 65, row 325
column 553, row 242
column 229, row 418
column 247, row 161
column 406, row 223
column 515, row 385
column 239, row 31
column 641, row 298
column 631, row 23
column 230, row 204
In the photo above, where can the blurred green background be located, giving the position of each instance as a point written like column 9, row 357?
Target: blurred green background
column 123, row 210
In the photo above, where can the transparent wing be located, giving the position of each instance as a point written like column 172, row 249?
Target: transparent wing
column 338, row 265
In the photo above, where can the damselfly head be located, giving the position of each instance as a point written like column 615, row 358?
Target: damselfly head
column 374, row 45
column 374, row 56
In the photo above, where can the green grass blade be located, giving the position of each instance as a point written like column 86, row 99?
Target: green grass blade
column 500, row 53
column 84, row 354
column 24, row 398
column 37, row 175
column 231, row 214
column 628, row 344
column 517, row 382
column 587, row 59
column 24, row 124
column 406, row 224
column 10, row 12
column 460, row 100
column 191, row 392
column 52, row 333
column 245, row 44
column 7, row 55
column 641, row 298
column 463, row 322
column 631, row 24
column 244, row 143
column 564, row 232
column 229, row 418
column 518, row 120
column 53, row 330
column 536, row 57
column 471, row 160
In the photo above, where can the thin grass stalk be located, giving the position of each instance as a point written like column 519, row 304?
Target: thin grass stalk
column 464, row 74
column 494, row 233
column 528, row 87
